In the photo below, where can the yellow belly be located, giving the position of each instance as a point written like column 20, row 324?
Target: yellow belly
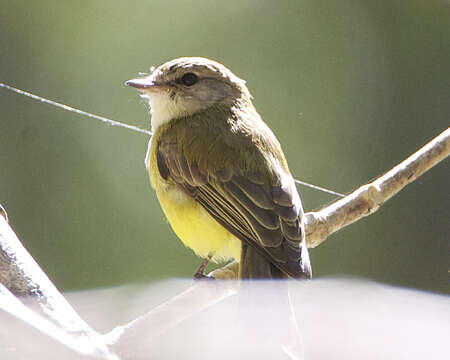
column 190, row 221
column 195, row 227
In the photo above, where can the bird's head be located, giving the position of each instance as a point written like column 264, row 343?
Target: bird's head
column 185, row 86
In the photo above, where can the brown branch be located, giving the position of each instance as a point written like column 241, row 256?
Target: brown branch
column 198, row 297
column 3, row 212
column 368, row 198
column 22, row 276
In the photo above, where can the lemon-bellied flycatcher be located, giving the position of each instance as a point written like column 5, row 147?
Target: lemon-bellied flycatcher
column 219, row 172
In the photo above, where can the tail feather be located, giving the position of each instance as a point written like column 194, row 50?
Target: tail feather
column 253, row 265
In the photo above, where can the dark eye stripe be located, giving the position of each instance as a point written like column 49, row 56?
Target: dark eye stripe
column 189, row 79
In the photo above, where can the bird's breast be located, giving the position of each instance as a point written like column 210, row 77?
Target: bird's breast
column 190, row 221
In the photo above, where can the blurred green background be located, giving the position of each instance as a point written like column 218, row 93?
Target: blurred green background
column 350, row 88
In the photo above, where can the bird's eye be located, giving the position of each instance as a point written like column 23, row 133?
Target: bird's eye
column 189, row 79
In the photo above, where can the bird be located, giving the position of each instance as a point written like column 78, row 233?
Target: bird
column 219, row 172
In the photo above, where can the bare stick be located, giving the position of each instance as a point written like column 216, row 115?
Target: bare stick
column 3, row 212
column 75, row 343
column 368, row 198
column 21, row 275
column 198, row 297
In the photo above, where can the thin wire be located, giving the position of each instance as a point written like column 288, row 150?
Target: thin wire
column 80, row 112
column 126, row 126
column 316, row 187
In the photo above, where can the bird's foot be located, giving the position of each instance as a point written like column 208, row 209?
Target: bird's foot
column 200, row 273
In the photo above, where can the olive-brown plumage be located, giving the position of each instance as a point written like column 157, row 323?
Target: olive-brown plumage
column 216, row 154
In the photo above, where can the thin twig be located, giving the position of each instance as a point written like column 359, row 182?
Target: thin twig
column 368, row 198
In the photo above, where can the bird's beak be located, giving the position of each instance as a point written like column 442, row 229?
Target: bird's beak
column 145, row 84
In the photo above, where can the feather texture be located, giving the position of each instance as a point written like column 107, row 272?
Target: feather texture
column 245, row 185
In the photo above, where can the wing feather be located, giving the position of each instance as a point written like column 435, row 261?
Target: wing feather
column 265, row 216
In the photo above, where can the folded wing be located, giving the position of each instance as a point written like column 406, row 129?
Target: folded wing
column 268, row 217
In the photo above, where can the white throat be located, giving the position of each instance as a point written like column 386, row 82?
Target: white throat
column 163, row 108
